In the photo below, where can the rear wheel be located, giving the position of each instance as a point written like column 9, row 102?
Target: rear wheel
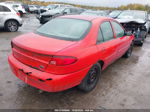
column 91, row 79
column 140, row 44
column 129, row 51
column 11, row 26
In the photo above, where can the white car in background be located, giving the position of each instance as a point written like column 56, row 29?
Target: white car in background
column 33, row 8
column 9, row 18
column 18, row 6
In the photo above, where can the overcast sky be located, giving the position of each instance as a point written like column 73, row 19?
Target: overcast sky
column 109, row 3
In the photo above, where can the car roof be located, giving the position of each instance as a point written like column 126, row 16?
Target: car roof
column 85, row 17
column 6, row 5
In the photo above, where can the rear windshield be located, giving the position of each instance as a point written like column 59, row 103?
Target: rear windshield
column 65, row 28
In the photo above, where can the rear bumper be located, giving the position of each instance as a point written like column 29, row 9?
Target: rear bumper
column 46, row 81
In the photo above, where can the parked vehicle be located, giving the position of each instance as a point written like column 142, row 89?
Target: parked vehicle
column 53, row 6
column 33, row 8
column 136, row 22
column 26, row 7
column 18, row 6
column 94, row 13
column 69, row 51
column 9, row 18
column 114, row 14
column 42, row 9
column 48, row 15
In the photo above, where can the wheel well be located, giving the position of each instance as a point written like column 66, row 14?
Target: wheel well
column 11, row 20
column 101, row 63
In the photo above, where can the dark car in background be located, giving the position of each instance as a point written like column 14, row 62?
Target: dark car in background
column 26, row 7
column 51, row 7
column 137, row 22
column 94, row 13
column 114, row 14
column 50, row 14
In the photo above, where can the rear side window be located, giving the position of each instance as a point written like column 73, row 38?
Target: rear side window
column 107, row 31
column 118, row 30
column 4, row 9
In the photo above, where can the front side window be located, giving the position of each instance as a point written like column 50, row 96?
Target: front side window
column 118, row 30
column 65, row 28
column 107, row 31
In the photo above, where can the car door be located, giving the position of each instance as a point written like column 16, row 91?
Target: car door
column 106, row 44
column 121, row 40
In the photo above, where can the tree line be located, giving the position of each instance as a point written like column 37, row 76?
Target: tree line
column 123, row 7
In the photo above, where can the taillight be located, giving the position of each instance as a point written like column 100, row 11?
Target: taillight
column 18, row 13
column 62, row 60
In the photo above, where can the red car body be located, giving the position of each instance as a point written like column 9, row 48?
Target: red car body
column 33, row 56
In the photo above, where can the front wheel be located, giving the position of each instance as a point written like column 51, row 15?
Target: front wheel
column 91, row 79
column 129, row 51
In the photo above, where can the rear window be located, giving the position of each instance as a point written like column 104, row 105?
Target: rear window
column 65, row 28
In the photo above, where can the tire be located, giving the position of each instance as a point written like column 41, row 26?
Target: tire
column 91, row 79
column 140, row 44
column 11, row 26
column 129, row 51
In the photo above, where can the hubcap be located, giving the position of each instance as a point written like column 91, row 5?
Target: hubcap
column 92, row 76
column 12, row 26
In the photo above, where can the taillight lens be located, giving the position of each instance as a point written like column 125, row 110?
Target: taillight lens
column 18, row 13
column 62, row 60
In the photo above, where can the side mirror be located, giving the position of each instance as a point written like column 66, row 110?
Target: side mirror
column 128, row 33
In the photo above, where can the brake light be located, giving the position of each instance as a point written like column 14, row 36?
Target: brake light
column 62, row 60
column 18, row 13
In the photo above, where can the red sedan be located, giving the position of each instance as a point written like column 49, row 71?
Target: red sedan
column 69, row 51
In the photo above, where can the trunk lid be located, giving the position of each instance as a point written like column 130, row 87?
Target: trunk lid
column 36, row 51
